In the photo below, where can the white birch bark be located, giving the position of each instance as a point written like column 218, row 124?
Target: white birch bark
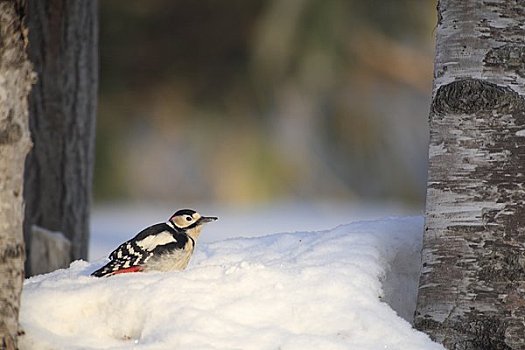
column 472, row 285
column 15, row 84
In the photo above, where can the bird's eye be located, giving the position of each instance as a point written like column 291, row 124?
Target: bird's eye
column 189, row 218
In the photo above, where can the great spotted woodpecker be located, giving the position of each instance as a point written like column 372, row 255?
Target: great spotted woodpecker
column 162, row 247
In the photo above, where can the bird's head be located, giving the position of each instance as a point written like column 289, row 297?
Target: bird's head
column 190, row 221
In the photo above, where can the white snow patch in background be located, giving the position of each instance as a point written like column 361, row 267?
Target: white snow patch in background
column 318, row 290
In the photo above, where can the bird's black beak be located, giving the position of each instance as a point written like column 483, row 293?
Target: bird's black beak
column 205, row 219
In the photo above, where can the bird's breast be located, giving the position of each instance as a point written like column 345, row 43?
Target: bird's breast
column 174, row 260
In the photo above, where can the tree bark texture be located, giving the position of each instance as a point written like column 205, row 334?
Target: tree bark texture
column 63, row 46
column 472, row 284
column 15, row 84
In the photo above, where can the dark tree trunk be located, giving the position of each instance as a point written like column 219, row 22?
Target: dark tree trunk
column 472, row 285
column 15, row 83
column 63, row 46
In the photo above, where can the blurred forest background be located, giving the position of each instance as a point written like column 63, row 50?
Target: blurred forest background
column 259, row 100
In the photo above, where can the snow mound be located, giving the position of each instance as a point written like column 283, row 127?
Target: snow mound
column 318, row 290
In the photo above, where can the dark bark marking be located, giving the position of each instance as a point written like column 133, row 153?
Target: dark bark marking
column 10, row 131
column 488, row 333
column 471, row 96
column 509, row 57
column 499, row 267
column 505, row 9
column 481, row 333
column 11, row 252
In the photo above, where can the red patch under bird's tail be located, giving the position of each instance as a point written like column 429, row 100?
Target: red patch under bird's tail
column 129, row 269
column 112, row 268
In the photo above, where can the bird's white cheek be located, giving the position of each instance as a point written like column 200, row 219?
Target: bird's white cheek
column 180, row 221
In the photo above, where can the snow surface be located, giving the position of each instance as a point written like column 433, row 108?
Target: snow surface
column 316, row 290
column 112, row 224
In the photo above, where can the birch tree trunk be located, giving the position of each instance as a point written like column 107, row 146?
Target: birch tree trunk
column 63, row 46
column 472, row 284
column 15, row 83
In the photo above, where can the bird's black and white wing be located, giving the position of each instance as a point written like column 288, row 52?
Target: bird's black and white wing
column 132, row 255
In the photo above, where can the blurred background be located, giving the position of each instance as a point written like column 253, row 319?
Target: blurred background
column 255, row 103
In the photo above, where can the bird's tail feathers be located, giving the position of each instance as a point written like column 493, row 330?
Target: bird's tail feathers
column 114, row 268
